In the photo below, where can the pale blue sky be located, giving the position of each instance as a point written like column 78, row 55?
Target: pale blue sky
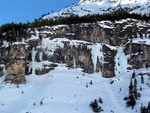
column 24, row 10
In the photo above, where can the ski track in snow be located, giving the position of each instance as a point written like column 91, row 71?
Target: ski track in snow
column 117, row 107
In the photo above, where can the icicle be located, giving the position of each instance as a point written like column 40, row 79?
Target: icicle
column 33, row 60
column 120, row 62
column 96, row 53
column 40, row 56
column 74, row 62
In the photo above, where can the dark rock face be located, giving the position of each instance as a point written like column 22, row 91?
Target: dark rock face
column 139, row 55
column 90, row 46
column 79, row 55
column 1, row 71
column 112, row 33
column 109, row 64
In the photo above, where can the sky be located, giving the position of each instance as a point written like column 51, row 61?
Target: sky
column 28, row 10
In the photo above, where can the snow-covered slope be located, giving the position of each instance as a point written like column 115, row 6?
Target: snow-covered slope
column 70, row 91
column 85, row 7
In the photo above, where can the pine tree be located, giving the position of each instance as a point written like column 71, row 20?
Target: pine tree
column 142, row 79
column 133, row 74
column 135, row 83
column 95, row 106
column 135, row 88
column 131, row 101
column 148, row 107
column 130, row 87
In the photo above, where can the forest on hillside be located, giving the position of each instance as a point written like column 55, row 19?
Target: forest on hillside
column 17, row 31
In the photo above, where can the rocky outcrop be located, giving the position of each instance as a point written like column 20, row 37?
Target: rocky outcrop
column 16, row 65
column 111, row 33
column 16, row 71
column 1, row 71
column 138, row 55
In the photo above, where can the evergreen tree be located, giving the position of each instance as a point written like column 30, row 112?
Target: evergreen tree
column 131, row 101
column 135, row 88
column 94, row 105
column 130, row 87
column 135, row 83
column 142, row 79
column 148, row 107
column 133, row 74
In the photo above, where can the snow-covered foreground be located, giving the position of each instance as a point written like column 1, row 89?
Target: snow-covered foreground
column 65, row 91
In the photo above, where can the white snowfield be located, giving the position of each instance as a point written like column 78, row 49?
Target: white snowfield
column 64, row 91
column 85, row 7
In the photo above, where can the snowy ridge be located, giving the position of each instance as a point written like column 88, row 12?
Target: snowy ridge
column 85, row 7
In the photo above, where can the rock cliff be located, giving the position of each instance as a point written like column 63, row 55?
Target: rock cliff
column 112, row 48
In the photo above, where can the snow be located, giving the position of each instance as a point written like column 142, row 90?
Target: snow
column 51, row 45
column 34, row 37
column 5, row 43
column 17, row 43
column 58, row 26
column 102, row 6
column 141, row 41
column 103, row 24
column 63, row 90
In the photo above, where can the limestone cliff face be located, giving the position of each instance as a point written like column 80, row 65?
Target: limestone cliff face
column 16, row 71
column 16, row 63
column 108, row 47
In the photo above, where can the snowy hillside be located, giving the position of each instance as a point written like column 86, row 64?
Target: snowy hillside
column 85, row 7
column 70, row 91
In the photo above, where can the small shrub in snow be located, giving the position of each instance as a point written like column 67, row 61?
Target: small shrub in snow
column 86, row 85
column 100, row 100
column 125, row 98
column 140, row 88
column 34, row 103
column 41, row 102
column 91, row 82
column 120, row 89
column 112, row 82
column 17, row 86
column 95, row 107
